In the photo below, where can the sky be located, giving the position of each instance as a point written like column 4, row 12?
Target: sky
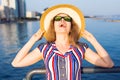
column 88, row 7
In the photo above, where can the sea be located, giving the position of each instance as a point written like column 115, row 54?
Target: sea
column 13, row 37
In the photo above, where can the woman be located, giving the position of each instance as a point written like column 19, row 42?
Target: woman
column 62, row 26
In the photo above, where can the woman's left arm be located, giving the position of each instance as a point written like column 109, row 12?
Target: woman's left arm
column 100, row 57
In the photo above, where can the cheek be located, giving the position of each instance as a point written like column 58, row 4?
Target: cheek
column 69, row 26
column 55, row 26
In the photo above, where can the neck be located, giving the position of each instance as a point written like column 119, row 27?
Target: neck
column 62, row 39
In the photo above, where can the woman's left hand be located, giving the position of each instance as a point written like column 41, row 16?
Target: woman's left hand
column 88, row 36
column 100, row 57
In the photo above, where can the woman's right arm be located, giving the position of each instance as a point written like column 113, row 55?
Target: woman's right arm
column 26, row 58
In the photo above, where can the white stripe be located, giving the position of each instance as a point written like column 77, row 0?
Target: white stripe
column 46, row 58
column 56, row 51
column 44, row 48
column 48, row 53
column 51, row 67
column 81, row 52
column 68, row 67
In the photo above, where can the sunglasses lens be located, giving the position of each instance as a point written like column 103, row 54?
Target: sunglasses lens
column 57, row 18
column 67, row 18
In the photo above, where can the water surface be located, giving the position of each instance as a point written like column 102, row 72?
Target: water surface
column 14, row 35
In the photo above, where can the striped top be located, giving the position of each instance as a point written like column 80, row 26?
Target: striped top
column 62, row 67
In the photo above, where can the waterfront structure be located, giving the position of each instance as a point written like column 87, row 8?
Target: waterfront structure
column 2, row 15
column 33, row 15
column 30, row 14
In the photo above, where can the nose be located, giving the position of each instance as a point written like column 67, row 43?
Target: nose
column 62, row 20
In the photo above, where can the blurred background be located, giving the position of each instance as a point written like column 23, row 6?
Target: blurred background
column 19, row 20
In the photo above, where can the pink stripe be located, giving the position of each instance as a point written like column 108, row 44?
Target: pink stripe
column 53, row 68
column 60, row 55
column 48, row 76
column 70, row 67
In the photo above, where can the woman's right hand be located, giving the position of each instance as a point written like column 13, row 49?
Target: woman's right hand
column 23, row 58
column 38, row 35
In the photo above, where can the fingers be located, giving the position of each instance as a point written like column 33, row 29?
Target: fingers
column 42, row 32
column 88, row 36
column 87, row 33
column 39, row 34
column 84, row 34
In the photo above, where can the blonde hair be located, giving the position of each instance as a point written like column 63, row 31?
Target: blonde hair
column 73, row 35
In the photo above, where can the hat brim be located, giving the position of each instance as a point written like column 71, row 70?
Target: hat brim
column 71, row 10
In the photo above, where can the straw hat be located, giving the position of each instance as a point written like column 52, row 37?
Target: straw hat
column 70, row 10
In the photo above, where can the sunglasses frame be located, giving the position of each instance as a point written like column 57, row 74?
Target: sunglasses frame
column 66, row 18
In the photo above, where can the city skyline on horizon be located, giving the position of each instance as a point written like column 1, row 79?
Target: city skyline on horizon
column 11, row 10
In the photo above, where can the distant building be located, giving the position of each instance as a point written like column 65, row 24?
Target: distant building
column 31, row 14
column 2, row 14
column 16, row 8
column 21, row 8
column 13, row 7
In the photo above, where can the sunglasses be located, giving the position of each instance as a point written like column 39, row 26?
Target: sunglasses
column 66, row 18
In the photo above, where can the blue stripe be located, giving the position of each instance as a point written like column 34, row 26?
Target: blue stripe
column 56, row 66
column 41, row 46
column 78, row 52
column 82, row 48
column 46, row 50
column 76, row 65
column 73, row 67
column 77, row 62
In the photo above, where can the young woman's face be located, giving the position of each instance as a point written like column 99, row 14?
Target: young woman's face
column 62, row 23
